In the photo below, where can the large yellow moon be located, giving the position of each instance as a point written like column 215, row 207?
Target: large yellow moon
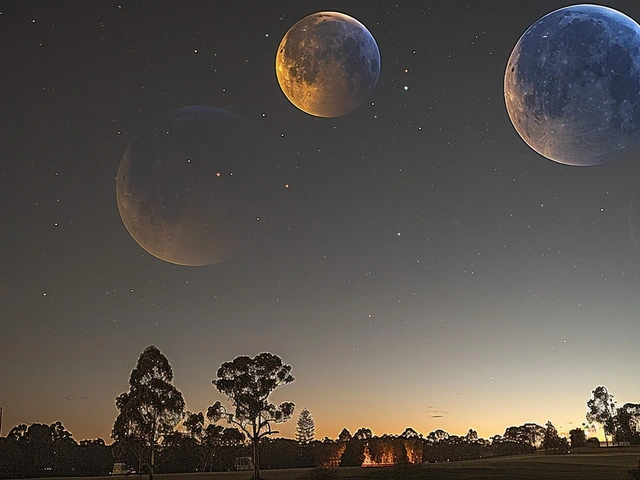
column 327, row 64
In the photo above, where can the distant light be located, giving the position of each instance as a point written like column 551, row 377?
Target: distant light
column 406, row 87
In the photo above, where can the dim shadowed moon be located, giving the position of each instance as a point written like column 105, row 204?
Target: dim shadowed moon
column 182, row 186
column 572, row 85
column 327, row 64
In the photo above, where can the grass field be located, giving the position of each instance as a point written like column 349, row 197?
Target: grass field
column 601, row 464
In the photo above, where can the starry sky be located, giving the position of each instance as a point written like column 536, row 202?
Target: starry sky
column 424, row 268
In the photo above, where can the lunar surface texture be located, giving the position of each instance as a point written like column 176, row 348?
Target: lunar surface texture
column 327, row 64
column 182, row 185
column 572, row 85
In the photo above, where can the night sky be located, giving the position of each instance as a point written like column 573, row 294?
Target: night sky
column 424, row 268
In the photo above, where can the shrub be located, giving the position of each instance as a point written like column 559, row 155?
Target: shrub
column 593, row 442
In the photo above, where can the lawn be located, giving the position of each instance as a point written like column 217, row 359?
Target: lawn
column 601, row 464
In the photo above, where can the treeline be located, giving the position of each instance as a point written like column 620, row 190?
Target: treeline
column 40, row 450
column 49, row 450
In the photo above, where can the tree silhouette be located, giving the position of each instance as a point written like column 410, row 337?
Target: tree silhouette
column 305, row 428
column 38, row 448
column 363, row 433
column 194, row 424
column 151, row 408
column 410, row 433
column 413, row 445
column 437, row 436
column 551, row 440
column 305, row 434
column 62, row 443
column 344, row 436
column 578, row 438
column 471, row 436
column 526, row 434
column 602, row 410
column 627, row 423
column 248, row 382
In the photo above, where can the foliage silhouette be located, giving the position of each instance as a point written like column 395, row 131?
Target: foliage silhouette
column 577, row 438
column 248, row 382
column 627, row 423
column 150, row 410
column 602, row 409
column 305, row 428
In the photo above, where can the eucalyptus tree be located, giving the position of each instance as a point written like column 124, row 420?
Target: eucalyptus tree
column 602, row 409
column 151, row 408
column 248, row 382
column 627, row 423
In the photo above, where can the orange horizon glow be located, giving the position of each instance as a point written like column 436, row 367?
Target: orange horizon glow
column 287, row 430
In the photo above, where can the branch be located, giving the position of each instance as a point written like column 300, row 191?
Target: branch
column 265, row 423
column 231, row 420
column 217, row 411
